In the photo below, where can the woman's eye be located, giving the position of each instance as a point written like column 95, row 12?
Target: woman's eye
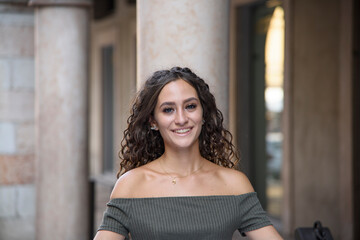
column 168, row 110
column 191, row 106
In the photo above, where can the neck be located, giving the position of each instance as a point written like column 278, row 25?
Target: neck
column 182, row 162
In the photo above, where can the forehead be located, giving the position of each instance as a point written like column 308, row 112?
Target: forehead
column 175, row 90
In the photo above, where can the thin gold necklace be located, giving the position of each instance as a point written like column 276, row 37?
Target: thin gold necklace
column 173, row 181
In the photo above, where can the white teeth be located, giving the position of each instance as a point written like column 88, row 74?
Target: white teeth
column 182, row 130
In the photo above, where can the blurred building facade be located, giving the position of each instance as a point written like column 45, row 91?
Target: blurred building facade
column 17, row 124
column 69, row 70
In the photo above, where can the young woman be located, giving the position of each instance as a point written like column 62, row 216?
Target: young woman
column 176, row 179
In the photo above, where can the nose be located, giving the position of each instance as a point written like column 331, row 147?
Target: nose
column 181, row 117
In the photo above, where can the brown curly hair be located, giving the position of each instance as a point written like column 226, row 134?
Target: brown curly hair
column 141, row 145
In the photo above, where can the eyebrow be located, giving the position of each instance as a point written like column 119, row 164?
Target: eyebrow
column 173, row 103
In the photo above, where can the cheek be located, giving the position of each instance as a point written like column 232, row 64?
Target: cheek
column 197, row 119
column 200, row 118
column 163, row 121
column 201, row 113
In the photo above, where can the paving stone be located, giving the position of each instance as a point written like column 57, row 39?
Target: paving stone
column 17, row 106
column 7, row 138
column 26, row 200
column 7, row 201
column 17, row 41
column 23, row 75
column 17, row 228
column 5, row 82
column 17, row 19
column 16, row 8
column 25, row 138
column 17, row 169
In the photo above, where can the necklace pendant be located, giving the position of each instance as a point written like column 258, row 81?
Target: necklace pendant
column 173, row 181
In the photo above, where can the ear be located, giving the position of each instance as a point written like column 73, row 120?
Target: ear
column 153, row 124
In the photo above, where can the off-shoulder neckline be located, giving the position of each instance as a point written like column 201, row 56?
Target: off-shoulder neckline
column 184, row 197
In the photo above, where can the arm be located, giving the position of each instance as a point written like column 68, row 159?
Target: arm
column 268, row 233
column 243, row 183
column 120, row 190
column 107, row 235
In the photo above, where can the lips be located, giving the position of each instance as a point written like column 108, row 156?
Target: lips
column 182, row 130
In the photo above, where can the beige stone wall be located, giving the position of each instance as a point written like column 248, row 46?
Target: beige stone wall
column 17, row 168
column 312, row 116
column 315, row 100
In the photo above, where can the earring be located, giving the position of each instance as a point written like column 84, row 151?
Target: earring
column 153, row 128
column 203, row 121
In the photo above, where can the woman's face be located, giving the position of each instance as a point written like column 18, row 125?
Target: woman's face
column 178, row 115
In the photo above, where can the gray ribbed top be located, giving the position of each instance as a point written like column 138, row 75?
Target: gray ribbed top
column 191, row 217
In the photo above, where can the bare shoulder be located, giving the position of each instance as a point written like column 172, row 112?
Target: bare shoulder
column 125, row 185
column 234, row 180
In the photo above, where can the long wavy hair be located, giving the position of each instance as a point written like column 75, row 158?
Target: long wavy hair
column 142, row 145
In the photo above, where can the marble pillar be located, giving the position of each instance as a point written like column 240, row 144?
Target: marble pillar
column 61, row 38
column 185, row 33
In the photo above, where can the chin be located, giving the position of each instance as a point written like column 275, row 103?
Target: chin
column 184, row 145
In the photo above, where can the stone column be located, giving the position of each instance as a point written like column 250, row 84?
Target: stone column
column 61, row 38
column 185, row 33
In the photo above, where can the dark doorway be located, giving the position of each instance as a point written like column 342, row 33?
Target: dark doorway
column 108, row 108
column 260, row 98
column 356, row 118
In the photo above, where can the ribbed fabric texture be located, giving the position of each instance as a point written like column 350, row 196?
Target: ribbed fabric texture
column 192, row 217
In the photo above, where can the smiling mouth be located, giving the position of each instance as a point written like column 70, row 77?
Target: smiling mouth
column 185, row 130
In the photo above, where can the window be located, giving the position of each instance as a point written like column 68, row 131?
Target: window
column 107, row 107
